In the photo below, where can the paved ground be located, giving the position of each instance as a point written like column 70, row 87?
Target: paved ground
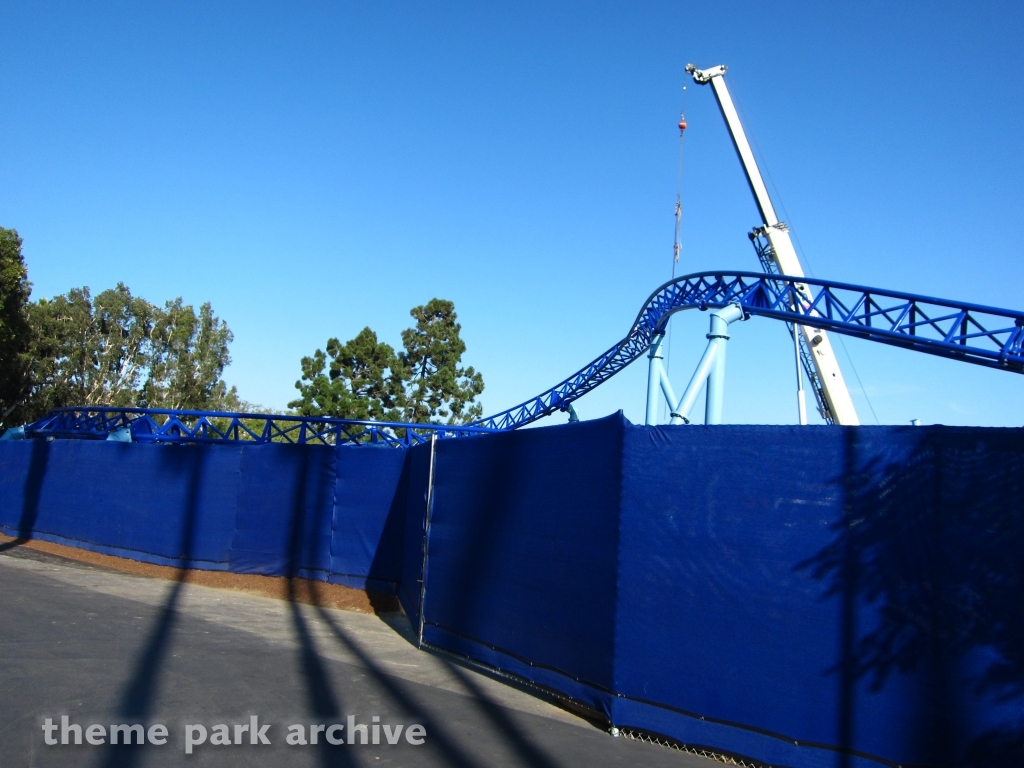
column 104, row 647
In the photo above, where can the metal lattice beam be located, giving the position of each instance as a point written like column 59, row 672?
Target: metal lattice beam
column 971, row 333
column 168, row 426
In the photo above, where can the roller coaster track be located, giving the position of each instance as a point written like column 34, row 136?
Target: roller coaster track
column 971, row 333
column 154, row 425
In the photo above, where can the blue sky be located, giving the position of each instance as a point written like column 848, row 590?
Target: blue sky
column 314, row 168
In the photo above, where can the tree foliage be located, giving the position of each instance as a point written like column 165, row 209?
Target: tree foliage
column 88, row 351
column 121, row 350
column 365, row 378
column 15, row 333
column 112, row 349
column 188, row 353
column 361, row 381
column 438, row 387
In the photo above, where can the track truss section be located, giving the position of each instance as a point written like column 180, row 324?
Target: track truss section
column 151, row 425
column 971, row 333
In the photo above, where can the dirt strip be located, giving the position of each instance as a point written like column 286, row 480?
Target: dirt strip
column 279, row 587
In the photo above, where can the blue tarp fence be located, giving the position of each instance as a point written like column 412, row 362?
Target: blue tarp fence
column 801, row 596
column 797, row 596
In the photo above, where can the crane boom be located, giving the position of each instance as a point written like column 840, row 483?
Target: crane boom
column 833, row 386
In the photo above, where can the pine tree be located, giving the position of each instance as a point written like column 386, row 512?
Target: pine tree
column 362, row 381
column 365, row 379
column 438, row 387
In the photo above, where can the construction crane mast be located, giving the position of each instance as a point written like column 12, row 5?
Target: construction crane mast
column 775, row 248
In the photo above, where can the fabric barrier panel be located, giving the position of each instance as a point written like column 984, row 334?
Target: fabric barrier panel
column 807, row 597
column 285, row 510
column 369, row 518
column 521, row 554
column 279, row 510
column 159, row 504
column 412, row 540
column 803, row 596
column 822, row 596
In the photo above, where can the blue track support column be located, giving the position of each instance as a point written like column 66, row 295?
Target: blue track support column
column 654, row 374
column 719, row 335
column 681, row 409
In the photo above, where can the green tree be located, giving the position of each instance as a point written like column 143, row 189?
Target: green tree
column 363, row 380
column 15, row 331
column 189, row 352
column 438, row 387
column 89, row 351
column 121, row 350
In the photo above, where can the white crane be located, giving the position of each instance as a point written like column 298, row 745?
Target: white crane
column 830, row 383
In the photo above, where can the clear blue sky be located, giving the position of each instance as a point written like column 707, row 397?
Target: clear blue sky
column 314, row 168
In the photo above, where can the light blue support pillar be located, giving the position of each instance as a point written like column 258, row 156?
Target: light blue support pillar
column 719, row 335
column 654, row 374
column 681, row 410
column 710, row 369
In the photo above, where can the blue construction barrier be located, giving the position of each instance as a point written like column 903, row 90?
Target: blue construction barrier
column 522, row 556
column 800, row 596
column 412, row 544
column 825, row 592
column 327, row 513
column 796, row 596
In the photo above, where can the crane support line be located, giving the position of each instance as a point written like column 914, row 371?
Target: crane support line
column 971, row 333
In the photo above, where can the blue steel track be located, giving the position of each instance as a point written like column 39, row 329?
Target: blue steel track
column 970, row 333
column 153, row 425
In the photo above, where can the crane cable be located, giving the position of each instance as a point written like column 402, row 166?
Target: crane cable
column 677, row 245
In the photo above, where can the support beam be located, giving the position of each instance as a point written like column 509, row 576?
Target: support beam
column 801, row 400
column 720, row 320
column 655, row 372
column 711, row 369
column 681, row 411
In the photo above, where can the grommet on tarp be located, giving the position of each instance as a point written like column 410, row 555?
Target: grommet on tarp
column 122, row 435
column 14, row 433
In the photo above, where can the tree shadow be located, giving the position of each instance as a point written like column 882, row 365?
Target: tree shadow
column 929, row 554
column 313, row 666
column 386, row 565
column 454, row 754
column 528, row 752
column 139, row 695
column 321, row 699
column 32, row 490
column 511, row 504
column 140, row 692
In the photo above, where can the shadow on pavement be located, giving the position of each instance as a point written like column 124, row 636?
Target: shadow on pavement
column 320, row 696
column 137, row 698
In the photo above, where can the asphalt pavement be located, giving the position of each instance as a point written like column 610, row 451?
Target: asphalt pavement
column 103, row 648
